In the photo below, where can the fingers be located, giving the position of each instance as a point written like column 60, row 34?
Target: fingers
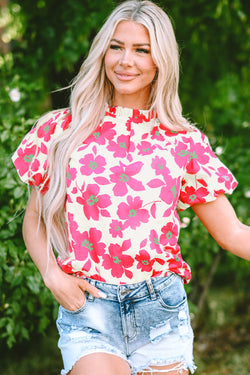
column 86, row 286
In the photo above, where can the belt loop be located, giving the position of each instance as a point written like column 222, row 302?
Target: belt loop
column 90, row 296
column 151, row 289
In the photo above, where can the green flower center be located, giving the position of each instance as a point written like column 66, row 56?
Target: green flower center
column 28, row 158
column 132, row 213
column 124, row 177
column 192, row 197
column 116, row 260
column 93, row 165
column 169, row 235
column 87, row 244
column 92, row 200
column 96, row 135
column 122, row 145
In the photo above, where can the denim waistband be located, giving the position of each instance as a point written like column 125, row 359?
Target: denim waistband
column 133, row 291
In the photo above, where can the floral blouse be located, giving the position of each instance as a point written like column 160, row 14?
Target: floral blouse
column 124, row 185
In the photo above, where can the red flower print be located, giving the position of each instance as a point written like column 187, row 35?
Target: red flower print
column 66, row 122
column 46, row 130
column 117, row 261
column 145, row 263
column 225, row 177
column 121, row 146
column 155, row 242
column 88, row 244
column 102, row 133
column 181, row 154
column 169, row 234
column 138, row 118
column 93, row 203
column 192, row 196
column 145, row 148
column 116, row 229
column 156, row 134
column 71, row 175
column 171, row 133
column 122, row 176
column 38, row 180
column 198, row 156
column 25, row 160
column 92, row 164
column 132, row 213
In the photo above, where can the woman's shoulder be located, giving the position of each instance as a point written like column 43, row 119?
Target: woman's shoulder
column 59, row 118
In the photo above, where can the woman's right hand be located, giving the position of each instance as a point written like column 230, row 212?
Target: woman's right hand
column 69, row 290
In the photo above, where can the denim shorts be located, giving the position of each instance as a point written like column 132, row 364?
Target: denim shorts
column 147, row 324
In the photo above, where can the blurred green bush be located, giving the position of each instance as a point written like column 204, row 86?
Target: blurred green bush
column 45, row 43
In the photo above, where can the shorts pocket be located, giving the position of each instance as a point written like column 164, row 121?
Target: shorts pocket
column 82, row 308
column 173, row 295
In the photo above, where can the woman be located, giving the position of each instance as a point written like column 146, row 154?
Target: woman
column 108, row 175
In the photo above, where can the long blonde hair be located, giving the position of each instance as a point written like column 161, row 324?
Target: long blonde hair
column 91, row 90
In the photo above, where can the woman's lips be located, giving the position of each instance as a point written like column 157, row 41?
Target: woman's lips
column 125, row 76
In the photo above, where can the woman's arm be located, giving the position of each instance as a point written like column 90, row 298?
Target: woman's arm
column 68, row 290
column 222, row 223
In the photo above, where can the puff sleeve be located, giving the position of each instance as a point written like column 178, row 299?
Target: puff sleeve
column 30, row 158
column 205, row 175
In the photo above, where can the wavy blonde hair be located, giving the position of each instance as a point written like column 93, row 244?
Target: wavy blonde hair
column 91, row 91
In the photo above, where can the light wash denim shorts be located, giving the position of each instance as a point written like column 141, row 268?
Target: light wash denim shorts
column 147, row 324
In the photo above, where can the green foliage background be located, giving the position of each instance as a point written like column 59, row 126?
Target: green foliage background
column 48, row 40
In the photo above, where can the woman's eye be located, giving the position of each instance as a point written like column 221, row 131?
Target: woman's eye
column 142, row 50
column 114, row 46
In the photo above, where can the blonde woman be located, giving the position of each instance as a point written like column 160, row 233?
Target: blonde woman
column 108, row 175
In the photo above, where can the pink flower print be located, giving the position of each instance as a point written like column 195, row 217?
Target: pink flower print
column 197, row 157
column 88, row 244
column 169, row 234
column 154, row 241
column 225, row 177
column 159, row 165
column 117, row 261
column 46, row 130
column 122, row 177
column 71, row 175
column 170, row 193
column 102, row 133
column 192, row 196
column 181, row 154
column 132, row 213
column 116, row 229
column 24, row 162
column 145, row 263
column 145, row 148
column 121, row 146
column 92, row 202
column 92, row 164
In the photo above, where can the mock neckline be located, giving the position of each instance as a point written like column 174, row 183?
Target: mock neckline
column 125, row 112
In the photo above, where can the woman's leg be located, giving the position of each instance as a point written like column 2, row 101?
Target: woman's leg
column 175, row 369
column 101, row 363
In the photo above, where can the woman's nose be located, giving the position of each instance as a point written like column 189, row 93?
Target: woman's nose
column 126, row 58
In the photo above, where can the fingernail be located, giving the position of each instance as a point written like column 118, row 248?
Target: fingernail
column 102, row 295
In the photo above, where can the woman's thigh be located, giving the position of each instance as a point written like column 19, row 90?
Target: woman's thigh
column 100, row 363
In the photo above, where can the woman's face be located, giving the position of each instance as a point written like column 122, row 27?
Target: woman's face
column 129, row 65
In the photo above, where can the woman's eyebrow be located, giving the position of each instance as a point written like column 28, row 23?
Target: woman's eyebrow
column 135, row 44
